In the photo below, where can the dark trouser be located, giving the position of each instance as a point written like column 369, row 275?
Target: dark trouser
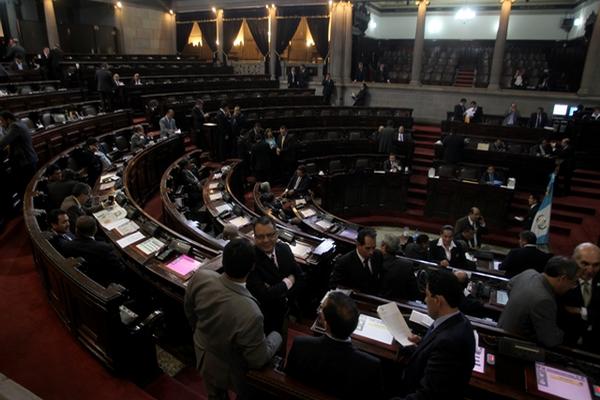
column 106, row 99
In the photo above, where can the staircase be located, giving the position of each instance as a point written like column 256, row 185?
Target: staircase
column 464, row 78
column 574, row 218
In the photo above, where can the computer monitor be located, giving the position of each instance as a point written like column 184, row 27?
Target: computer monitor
column 572, row 110
column 560, row 110
column 562, row 384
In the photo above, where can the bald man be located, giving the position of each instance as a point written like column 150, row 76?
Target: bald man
column 581, row 305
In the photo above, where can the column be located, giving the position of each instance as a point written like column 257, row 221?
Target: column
column 273, row 42
column 13, row 24
column 340, row 41
column 590, row 79
column 417, row 64
column 498, row 57
column 220, row 52
column 51, row 28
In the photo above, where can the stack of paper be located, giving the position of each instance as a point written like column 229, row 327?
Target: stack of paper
column 308, row 212
column 395, row 323
column 215, row 196
column 111, row 217
column 127, row 228
column 127, row 240
column 373, row 328
column 421, row 319
column 223, row 207
column 150, row 246
column 239, row 222
column 323, row 223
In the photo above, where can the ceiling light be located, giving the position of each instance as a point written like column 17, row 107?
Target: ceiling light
column 464, row 14
column 119, row 4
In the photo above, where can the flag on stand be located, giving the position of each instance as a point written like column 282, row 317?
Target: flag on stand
column 541, row 222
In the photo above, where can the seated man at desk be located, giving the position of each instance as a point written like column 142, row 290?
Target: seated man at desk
column 392, row 164
column 445, row 251
column 581, row 304
column 527, row 256
column 330, row 362
column 102, row 262
column 466, row 237
column 59, row 229
column 298, row 185
column 419, row 248
column 491, row 177
column 167, row 124
column 441, row 364
column 474, row 220
column 138, row 140
column 276, row 279
column 532, row 309
column 228, row 328
column 359, row 269
column 468, row 303
column 75, row 204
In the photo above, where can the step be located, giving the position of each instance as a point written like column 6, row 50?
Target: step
column 586, row 173
column 585, row 183
column 424, row 153
column 168, row 388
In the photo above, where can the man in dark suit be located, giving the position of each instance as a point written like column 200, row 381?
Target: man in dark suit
column 580, row 305
column 14, row 49
column 328, row 87
column 445, row 251
column 303, row 77
column 198, row 119
column 405, row 145
column 167, row 124
column 533, row 202
column 276, row 280
column 566, row 157
column 466, row 237
column 74, row 205
column 475, row 113
column 397, row 278
column 469, row 304
column 260, row 159
column 538, row 119
column 55, row 58
column 102, row 262
column 392, row 164
column 59, row 229
column 286, row 151
column 228, row 326
column 299, row 183
column 330, row 362
column 105, row 86
column 531, row 310
column 386, row 139
column 418, row 250
column 293, row 79
column 527, row 256
column 459, row 110
column 476, row 221
column 360, row 98
column 361, row 73
column 490, row 176
column 359, row 269
column 222, row 134
column 454, row 145
column 441, row 364
column 58, row 187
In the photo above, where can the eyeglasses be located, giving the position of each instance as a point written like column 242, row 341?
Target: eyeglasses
column 270, row 235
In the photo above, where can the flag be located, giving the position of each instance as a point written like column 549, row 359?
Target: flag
column 541, row 222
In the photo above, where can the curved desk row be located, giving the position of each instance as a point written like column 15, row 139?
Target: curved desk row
column 131, row 57
column 50, row 142
column 23, row 102
column 515, row 133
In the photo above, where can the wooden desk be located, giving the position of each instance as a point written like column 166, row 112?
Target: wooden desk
column 533, row 135
column 451, row 199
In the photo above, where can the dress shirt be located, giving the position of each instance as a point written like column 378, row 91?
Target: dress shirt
column 475, row 227
column 368, row 262
column 448, row 251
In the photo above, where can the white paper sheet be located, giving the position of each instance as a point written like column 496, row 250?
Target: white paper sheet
column 479, row 360
column 238, row 222
column 213, row 185
column 106, row 186
column 373, row 328
column 130, row 239
column 324, row 224
column 308, row 212
column 127, row 228
column 108, row 217
column 150, row 246
column 563, row 384
column 395, row 323
column 223, row 207
column 215, row 196
column 421, row 319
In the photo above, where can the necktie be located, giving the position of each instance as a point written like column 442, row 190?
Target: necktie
column 274, row 259
column 539, row 121
column 586, row 293
column 367, row 266
column 429, row 330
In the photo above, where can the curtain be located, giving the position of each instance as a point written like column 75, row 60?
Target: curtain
column 259, row 28
column 230, row 31
column 183, row 33
column 209, row 33
column 286, row 27
column 319, row 28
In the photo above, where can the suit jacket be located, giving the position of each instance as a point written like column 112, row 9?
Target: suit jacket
column 533, row 120
column 58, row 191
column 15, row 67
column 459, row 113
column 440, row 367
column 328, row 86
column 350, row 272
column 104, row 81
column 413, row 250
column 21, row 152
column 58, row 241
column 453, row 148
column 478, row 116
column 138, row 142
column 288, row 150
column 102, row 262
column 167, row 126
column 335, row 367
column 360, row 99
column 397, row 279
column 303, row 186
column 523, row 258
column 265, row 282
column 293, row 80
column 261, row 156
column 531, row 310
column 73, row 209
column 387, row 165
column 386, row 140
column 360, row 76
column 457, row 255
column 197, row 118
column 575, row 326
column 490, row 179
column 463, row 222
column 531, row 212
column 228, row 329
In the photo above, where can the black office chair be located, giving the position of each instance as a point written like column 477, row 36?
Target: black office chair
column 122, row 143
column 335, row 166
column 469, row 174
column 354, row 136
column 361, row 164
column 90, row 110
column 47, row 119
column 446, row 171
column 311, row 169
column 333, row 135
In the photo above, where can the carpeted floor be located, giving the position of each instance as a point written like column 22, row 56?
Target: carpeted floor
column 36, row 350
